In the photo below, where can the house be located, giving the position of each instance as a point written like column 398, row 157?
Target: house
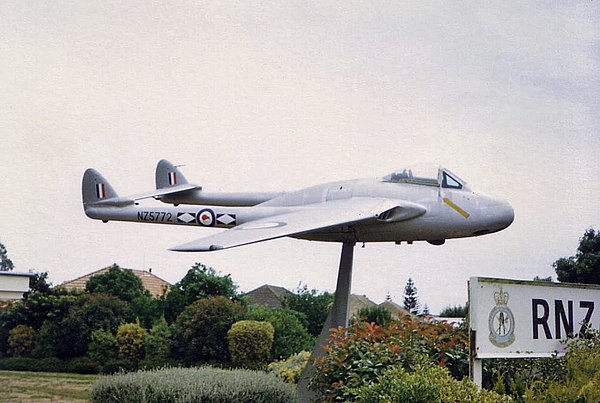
column 13, row 284
column 154, row 284
column 396, row 310
column 267, row 295
column 358, row 302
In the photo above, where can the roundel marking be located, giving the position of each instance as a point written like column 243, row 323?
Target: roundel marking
column 206, row 217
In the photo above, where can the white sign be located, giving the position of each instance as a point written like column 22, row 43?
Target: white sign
column 511, row 318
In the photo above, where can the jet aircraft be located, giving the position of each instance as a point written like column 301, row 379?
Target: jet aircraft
column 412, row 204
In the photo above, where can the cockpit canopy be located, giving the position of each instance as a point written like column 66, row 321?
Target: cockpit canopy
column 426, row 175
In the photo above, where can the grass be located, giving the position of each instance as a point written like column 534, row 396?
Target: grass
column 17, row 386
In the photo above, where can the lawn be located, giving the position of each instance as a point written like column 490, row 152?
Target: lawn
column 17, row 386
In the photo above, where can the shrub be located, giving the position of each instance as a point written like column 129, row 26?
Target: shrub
column 427, row 383
column 375, row 314
column 192, row 385
column 291, row 368
column 130, row 342
column 362, row 352
column 200, row 332
column 83, row 365
column 158, row 345
column 290, row 336
column 103, row 346
column 250, row 343
column 581, row 382
column 21, row 341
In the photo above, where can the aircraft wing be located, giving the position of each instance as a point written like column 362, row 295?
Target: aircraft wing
column 165, row 191
column 302, row 220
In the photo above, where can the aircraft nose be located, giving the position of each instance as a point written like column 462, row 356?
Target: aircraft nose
column 506, row 214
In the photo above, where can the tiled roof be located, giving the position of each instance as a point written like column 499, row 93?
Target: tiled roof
column 268, row 295
column 357, row 302
column 396, row 310
column 156, row 285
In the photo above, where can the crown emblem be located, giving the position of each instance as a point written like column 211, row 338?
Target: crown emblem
column 501, row 297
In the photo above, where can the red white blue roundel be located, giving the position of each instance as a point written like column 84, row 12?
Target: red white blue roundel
column 206, row 217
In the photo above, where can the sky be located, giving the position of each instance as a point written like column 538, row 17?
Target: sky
column 281, row 95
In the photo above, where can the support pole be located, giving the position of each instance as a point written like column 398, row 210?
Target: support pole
column 338, row 316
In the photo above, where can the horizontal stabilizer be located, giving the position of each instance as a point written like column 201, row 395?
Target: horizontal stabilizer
column 304, row 219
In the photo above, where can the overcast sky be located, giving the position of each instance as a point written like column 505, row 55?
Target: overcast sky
column 279, row 95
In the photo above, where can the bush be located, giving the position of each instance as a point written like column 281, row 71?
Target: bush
column 290, row 336
column 374, row 314
column 103, row 347
column 21, row 341
column 200, row 332
column 130, row 342
column 158, row 345
column 250, row 343
column 365, row 350
column 427, row 383
column 192, row 385
column 83, row 365
column 581, row 382
column 291, row 368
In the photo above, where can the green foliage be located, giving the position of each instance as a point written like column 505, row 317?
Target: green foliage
column 51, row 364
column 147, row 310
column 39, row 283
column 121, row 283
column 290, row 336
column 584, row 267
column 193, row 385
column 158, row 345
column 130, row 342
column 250, row 343
column 290, row 368
column 21, row 341
column 375, row 314
column 456, row 311
column 426, row 383
column 36, row 307
column 199, row 282
column 581, row 382
column 200, row 332
column 82, row 365
column 411, row 301
column 5, row 263
column 365, row 350
column 312, row 303
column 103, row 347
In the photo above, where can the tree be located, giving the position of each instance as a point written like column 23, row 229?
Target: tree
column 39, row 283
column 312, row 303
column 5, row 263
column 584, row 267
column 21, row 341
column 158, row 345
column 121, row 283
column 411, row 300
column 456, row 311
column 103, row 346
column 290, row 336
column 199, row 282
column 200, row 332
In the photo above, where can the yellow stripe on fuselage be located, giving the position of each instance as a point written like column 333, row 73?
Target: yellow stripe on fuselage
column 456, row 208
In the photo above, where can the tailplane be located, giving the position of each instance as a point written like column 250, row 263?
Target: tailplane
column 168, row 175
column 95, row 188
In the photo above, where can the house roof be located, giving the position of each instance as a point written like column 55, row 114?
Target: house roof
column 357, row 302
column 268, row 295
column 395, row 309
column 154, row 284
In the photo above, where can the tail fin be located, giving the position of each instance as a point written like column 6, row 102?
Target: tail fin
column 95, row 188
column 168, row 175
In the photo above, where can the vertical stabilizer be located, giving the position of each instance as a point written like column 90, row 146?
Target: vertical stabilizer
column 95, row 188
column 168, row 175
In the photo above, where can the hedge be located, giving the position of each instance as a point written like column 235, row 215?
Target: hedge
column 203, row 384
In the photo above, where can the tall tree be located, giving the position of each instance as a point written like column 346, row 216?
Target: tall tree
column 411, row 300
column 584, row 267
column 121, row 283
column 5, row 263
column 312, row 303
